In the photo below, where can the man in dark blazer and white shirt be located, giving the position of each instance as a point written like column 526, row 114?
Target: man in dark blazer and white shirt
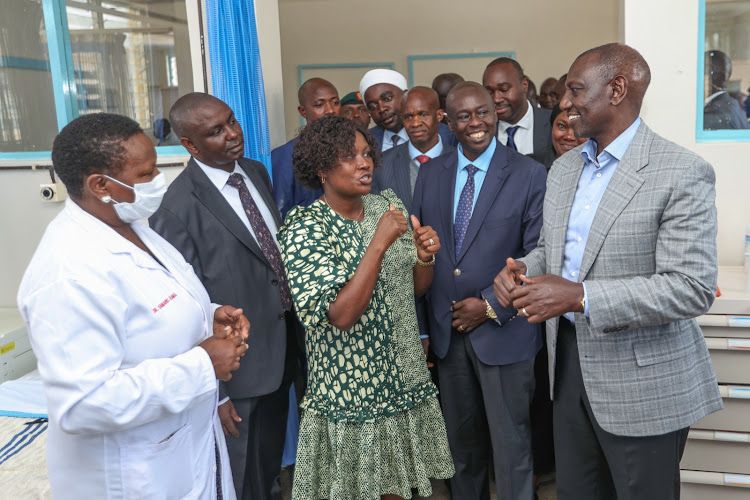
column 626, row 261
column 483, row 200
column 205, row 216
column 521, row 126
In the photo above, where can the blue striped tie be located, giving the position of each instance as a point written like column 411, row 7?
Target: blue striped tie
column 463, row 212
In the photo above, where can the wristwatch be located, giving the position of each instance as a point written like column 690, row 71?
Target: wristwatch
column 490, row 311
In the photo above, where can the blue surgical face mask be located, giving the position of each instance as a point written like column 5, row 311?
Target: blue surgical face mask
column 148, row 196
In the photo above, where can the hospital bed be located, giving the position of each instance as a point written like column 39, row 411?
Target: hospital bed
column 23, row 415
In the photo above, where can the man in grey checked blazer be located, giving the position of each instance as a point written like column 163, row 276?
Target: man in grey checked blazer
column 629, row 368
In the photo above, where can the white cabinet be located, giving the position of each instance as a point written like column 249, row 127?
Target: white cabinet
column 716, row 463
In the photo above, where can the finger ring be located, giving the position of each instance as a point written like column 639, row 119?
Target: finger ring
column 460, row 328
column 432, row 242
column 523, row 310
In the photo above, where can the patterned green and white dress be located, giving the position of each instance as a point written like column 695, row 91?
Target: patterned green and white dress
column 371, row 423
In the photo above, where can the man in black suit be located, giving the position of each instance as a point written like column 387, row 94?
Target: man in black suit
column 420, row 113
column 721, row 110
column 220, row 214
column 520, row 125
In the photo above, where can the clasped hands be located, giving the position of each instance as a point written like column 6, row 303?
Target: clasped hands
column 538, row 298
column 229, row 341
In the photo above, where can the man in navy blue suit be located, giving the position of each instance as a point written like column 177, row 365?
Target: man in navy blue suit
column 485, row 202
column 317, row 98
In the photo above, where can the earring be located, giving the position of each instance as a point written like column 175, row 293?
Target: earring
column 322, row 180
column 106, row 199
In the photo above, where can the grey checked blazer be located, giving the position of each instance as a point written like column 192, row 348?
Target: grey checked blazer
column 650, row 269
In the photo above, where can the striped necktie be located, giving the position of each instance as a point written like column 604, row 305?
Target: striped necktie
column 465, row 207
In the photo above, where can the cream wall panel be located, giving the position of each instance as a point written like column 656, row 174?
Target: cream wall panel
column 545, row 36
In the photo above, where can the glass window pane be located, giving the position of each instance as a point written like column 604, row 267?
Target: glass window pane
column 727, row 63
column 27, row 108
column 131, row 57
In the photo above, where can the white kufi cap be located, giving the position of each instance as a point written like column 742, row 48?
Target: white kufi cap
column 376, row 76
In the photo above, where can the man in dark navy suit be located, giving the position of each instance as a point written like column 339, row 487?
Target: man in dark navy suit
column 485, row 201
column 317, row 98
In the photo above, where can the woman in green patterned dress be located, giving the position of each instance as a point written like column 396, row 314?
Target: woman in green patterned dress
column 371, row 424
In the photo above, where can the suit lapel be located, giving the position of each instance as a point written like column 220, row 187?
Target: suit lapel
column 402, row 175
column 446, row 188
column 567, row 191
column 260, row 185
column 623, row 186
column 206, row 192
column 493, row 181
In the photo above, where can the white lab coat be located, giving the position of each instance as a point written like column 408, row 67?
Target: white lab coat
column 132, row 399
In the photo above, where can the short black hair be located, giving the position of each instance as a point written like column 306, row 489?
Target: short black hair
column 91, row 144
column 323, row 143
column 180, row 115
column 512, row 62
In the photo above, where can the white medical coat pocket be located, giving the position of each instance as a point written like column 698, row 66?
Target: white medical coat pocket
column 159, row 471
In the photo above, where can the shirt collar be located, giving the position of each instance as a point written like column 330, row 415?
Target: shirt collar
column 388, row 136
column 616, row 149
column 432, row 153
column 713, row 96
column 482, row 162
column 219, row 177
column 526, row 122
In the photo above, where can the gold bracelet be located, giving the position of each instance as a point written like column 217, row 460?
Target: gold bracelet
column 429, row 263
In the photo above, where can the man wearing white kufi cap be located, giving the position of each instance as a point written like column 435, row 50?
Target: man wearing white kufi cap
column 381, row 90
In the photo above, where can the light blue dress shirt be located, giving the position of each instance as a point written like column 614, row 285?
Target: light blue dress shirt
column 436, row 150
column 596, row 174
column 482, row 163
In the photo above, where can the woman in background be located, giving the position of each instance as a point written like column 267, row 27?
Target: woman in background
column 563, row 138
column 122, row 330
column 371, row 423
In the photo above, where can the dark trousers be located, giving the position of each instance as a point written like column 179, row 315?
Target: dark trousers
column 487, row 407
column 593, row 464
column 255, row 455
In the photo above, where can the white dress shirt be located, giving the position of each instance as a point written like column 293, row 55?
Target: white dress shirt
column 524, row 137
column 219, row 178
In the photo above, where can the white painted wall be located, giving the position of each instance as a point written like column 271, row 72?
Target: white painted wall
column 666, row 33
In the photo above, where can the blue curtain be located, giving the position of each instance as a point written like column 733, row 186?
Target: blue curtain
column 236, row 72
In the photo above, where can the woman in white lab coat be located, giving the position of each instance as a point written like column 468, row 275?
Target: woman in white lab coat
column 122, row 329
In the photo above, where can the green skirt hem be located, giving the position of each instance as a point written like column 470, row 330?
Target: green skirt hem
column 364, row 460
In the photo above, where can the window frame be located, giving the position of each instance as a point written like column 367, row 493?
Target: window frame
column 64, row 85
column 702, row 135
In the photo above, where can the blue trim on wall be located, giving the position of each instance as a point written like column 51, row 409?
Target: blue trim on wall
column 700, row 134
column 302, row 67
column 465, row 55
column 24, row 63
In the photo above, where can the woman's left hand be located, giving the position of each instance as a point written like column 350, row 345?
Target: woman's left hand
column 426, row 240
column 229, row 321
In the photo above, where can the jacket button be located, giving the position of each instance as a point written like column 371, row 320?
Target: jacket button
column 457, row 272
column 274, row 282
column 281, row 316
